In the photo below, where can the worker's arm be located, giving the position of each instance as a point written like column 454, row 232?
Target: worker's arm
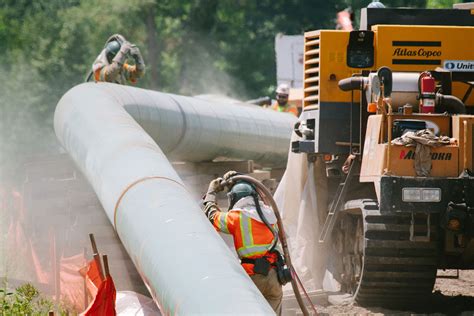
column 133, row 72
column 106, row 73
column 220, row 220
column 109, row 73
column 224, row 222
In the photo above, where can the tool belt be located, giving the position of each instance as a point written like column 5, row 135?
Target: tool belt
column 251, row 261
column 260, row 265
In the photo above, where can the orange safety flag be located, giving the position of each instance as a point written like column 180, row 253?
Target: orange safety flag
column 104, row 302
column 92, row 275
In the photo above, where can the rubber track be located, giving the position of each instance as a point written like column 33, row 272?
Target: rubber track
column 397, row 272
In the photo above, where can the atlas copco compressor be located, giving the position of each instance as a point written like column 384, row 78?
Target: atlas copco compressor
column 388, row 109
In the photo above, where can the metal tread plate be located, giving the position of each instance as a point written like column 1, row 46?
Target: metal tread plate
column 396, row 272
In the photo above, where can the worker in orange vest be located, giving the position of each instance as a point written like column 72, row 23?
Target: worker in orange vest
column 112, row 66
column 253, row 226
column 281, row 104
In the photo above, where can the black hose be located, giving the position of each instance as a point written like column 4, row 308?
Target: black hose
column 268, row 199
column 264, row 220
column 89, row 76
column 450, row 103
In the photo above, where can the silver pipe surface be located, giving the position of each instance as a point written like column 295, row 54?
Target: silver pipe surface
column 186, row 266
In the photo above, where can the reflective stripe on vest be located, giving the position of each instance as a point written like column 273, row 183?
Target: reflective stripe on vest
column 248, row 248
column 253, row 250
column 246, row 230
column 222, row 223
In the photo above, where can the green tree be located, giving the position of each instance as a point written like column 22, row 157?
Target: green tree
column 190, row 47
column 441, row 4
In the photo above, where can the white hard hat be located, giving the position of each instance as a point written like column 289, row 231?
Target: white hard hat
column 376, row 5
column 283, row 88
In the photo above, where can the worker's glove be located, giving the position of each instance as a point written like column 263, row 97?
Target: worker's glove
column 134, row 50
column 137, row 56
column 215, row 186
column 227, row 177
column 122, row 54
column 126, row 48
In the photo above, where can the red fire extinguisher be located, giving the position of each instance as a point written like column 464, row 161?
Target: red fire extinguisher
column 427, row 93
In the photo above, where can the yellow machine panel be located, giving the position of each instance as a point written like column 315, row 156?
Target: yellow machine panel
column 325, row 65
column 419, row 48
column 402, row 48
column 415, row 48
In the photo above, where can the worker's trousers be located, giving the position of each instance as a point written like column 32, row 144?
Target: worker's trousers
column 270, row 288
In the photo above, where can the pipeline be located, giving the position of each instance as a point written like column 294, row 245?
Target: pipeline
column 111, row 132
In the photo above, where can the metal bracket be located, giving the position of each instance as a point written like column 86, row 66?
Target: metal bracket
column 336, row 204
column 424, row 238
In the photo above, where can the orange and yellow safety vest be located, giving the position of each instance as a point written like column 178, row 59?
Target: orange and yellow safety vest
column 288, row 108
column 252, row 238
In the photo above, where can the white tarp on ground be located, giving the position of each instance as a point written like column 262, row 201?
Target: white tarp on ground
column 301, row 198
column 129, row 303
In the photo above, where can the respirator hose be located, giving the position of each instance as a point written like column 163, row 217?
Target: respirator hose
column 264, row 220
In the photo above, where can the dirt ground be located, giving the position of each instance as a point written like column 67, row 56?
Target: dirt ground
column 451, row 296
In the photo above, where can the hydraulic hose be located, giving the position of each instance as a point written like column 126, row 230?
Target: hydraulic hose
column 450, row 103
column 268, row 199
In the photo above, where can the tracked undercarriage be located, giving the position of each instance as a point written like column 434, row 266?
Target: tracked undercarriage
column 384, row 259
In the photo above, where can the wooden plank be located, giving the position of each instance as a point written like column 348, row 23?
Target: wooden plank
column 96, row 255
column 217, row 168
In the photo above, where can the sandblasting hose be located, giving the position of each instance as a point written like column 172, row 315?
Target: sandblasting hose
column 268, row 199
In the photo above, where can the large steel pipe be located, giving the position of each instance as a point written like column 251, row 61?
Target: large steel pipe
column 182, row 260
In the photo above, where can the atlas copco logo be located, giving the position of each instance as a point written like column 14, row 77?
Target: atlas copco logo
column 422, row 52
column 434, row 156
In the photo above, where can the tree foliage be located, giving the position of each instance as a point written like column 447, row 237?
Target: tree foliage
column 190, row 47
column 27, row 300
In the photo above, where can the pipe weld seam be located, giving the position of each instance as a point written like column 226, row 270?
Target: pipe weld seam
column 131, row 185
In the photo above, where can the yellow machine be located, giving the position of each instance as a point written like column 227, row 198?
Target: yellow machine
column 388, row 107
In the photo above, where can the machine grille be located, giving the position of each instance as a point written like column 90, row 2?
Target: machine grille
column 311, row 70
